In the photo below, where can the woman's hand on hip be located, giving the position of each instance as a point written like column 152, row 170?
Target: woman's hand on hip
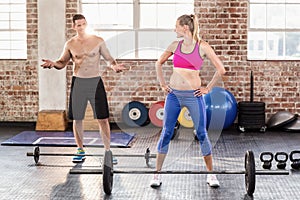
column 166, row 88
column 201, row 91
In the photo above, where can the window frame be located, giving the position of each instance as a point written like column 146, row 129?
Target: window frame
column 268, row 31
column 136, row 25
column 10, row 31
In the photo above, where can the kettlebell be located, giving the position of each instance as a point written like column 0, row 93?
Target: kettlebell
column 295, row 161
column 281, row 162
column 267, row 163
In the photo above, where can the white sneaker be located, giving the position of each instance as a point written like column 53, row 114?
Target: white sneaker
column 156, row 181
column 212, row 180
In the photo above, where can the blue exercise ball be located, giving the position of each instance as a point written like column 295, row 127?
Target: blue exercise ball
column 221, row 108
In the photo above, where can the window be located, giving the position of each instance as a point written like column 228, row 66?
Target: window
column 274, row 30
column 135, row 28
column 13, row 35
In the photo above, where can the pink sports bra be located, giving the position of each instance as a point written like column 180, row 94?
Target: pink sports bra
column 192, row 61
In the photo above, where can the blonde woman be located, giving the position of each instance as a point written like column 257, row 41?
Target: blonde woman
column 185, row 89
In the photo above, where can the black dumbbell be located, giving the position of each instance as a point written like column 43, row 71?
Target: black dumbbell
column 267, row 163
column 295, row 161
column 281, row 162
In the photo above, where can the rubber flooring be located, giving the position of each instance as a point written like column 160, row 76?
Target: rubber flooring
column 22, row 179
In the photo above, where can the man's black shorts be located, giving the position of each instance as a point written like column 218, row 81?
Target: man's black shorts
column 84, row 90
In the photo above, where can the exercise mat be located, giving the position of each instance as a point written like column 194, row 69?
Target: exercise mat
column 66, row 139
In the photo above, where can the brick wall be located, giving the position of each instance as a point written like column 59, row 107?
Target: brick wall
column 18, row 78
column 223, row 24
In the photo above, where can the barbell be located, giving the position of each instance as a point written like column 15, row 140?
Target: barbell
column 108, row 172
column 37, row 153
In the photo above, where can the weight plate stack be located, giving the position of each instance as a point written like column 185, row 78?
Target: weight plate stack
column 251, row 115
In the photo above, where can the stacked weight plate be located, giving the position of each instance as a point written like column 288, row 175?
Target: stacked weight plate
column 251, row 114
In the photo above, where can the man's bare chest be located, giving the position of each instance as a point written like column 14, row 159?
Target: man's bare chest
column 80, row 51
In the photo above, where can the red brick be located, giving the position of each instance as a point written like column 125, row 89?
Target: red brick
column 223, row 24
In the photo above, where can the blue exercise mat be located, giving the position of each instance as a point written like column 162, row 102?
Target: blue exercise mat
column 66, row 139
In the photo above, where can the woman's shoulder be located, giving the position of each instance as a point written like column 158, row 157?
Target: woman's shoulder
column 203, row 45
column 172, row 47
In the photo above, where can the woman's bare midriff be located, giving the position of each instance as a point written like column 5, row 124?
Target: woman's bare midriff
column 185, row 79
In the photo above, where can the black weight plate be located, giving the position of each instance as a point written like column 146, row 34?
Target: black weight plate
column 255, row 123
column 249, row 104
column 107, row 172
column 252, row 112
column 135, row 114
column 249, row 173
column 251, row 107
column 254, row 107
column 258, row 106
column 36, row 154
column 251, row 117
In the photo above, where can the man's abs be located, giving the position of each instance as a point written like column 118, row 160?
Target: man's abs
column 87, row 66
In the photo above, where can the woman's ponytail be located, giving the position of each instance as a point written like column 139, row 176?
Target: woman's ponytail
column 196, row 31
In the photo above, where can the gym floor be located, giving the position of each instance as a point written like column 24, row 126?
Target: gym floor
column 21, row 179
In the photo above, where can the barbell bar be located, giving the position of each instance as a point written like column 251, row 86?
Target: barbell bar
column 37, row 153
column 108, row 171
column 100, row 171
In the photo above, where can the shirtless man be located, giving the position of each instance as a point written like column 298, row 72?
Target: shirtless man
column 85, row 51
